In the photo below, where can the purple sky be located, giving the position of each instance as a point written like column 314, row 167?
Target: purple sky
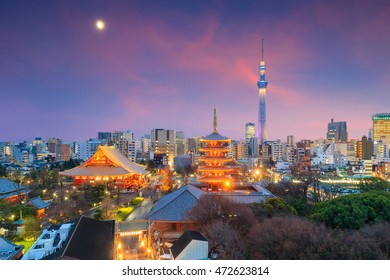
column 164, row 64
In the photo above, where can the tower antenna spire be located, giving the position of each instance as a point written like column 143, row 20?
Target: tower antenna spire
column 215, row 120
column 262, row 49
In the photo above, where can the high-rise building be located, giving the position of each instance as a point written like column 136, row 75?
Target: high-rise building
column 250, row 131
column 104, row 136
column 277, row 148
column 145, row 143
column 163, row 143
column 192, row 145
column 125, row 143
column 262, row 85
column 381, row 126
column 253, row 147
column 52, row 144
column 291, row 141
column 337, row 131
column 364, row 148
column 180, row 142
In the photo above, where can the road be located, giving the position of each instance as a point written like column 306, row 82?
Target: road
column 141, row 211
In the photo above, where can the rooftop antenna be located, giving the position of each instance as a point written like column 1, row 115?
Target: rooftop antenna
column 262, row 49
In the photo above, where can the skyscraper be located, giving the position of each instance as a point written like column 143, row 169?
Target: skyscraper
column 291, row 141
column 163, row 142
column 262, row 85
column 337, row 131
column 250, row 131
column 381, row 126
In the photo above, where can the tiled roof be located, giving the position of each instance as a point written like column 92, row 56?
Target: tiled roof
column 245, row 198
column 185, row 239
column 8, row 249
column 89, row 240
column 38, row 202
column 174, row 206
column 215, row 137
column 9, row 188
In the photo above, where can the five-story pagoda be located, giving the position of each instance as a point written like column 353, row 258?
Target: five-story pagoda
column 212, row 169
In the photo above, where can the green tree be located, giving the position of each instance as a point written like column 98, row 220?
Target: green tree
column 3, row 171
column 293, row 194
column 93, row 194
column 272, row 207
column 373, row 184
column 353, row 211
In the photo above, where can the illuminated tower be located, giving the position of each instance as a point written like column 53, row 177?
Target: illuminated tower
column 213, row 170
column 262, row 85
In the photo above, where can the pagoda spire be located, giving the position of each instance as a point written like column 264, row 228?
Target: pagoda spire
column 215, row 120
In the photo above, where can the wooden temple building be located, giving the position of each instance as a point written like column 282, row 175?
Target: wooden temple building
column 213, row 170
column 108, row 165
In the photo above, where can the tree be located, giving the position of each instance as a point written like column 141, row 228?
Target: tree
column 286, row 238
column 211, row 208
column 353, row 211
column 93, row 194
column 272, row 207
column 224, row 240
column 3, row 171
column 293, row 194
column 373, row 184
column 167, row 181
column 151, row 166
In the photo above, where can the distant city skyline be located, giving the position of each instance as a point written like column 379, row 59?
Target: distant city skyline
column 165, row 65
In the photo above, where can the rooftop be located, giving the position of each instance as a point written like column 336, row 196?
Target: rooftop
column 83, row 239
column 9, row 250
column 107, row 161
column 185, row 239
column 215, row 136
column 38, row 202
column 174, row 206
column 381, row 116
column 9, row 188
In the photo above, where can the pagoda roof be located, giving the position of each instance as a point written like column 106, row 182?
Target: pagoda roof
column 215, row 179
column 115, row 164
column 214, row 158
column 206, row 168
column 215, row 136
column 221, row 149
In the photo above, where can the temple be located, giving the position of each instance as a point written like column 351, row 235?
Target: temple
column 108, row 165
column 213, row 170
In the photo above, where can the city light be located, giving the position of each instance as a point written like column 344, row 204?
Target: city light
column 100, row 25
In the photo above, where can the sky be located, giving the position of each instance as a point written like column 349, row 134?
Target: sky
column 165, row 64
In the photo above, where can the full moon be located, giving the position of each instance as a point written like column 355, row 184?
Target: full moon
column 100, row 24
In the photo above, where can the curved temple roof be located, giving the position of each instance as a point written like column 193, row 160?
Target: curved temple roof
column 121, row 165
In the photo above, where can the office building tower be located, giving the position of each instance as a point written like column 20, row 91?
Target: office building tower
column 381, row 126
column 337, row 131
